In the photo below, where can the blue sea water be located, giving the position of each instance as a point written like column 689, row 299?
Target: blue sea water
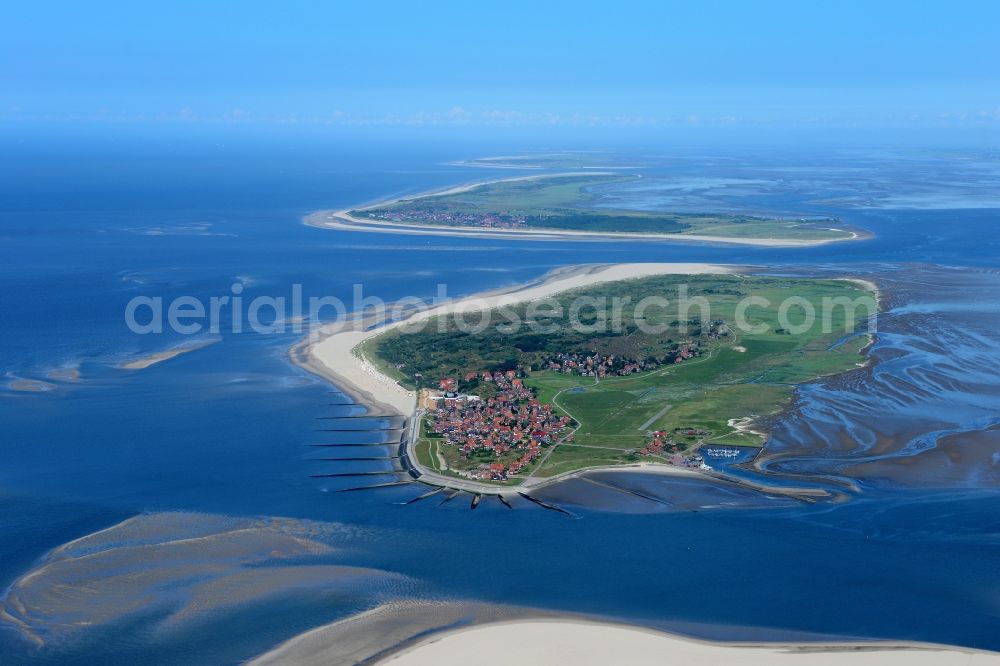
column 87, row 225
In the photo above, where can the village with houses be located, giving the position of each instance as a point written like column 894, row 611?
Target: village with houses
column 446, row 217
column 665, row 445
column 502, row 433
column 598, row 365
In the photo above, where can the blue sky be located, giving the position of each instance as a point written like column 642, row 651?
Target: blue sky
column 511, row 63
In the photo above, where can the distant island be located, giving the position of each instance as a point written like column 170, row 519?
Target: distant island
column 517, row 407
column 560, row 205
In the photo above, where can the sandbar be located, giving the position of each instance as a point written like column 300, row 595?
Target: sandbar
column 180, row 565
column 29, row 385
column 165, row 355
column 584, row 643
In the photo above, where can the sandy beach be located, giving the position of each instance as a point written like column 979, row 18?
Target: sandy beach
column 333, row 351
column 343, row 220
column 546, row 642
column 868, row 286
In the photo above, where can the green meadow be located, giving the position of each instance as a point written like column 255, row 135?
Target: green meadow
column 565, row 203
column 748, row 373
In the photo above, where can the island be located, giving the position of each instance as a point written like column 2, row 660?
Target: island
column 608, row 383
column 571, row 205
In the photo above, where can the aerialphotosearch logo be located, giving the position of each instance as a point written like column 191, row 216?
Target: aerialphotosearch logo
column 264, row 314
column 653, row 314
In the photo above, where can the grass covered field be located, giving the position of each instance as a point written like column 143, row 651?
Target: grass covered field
column 567, row 203
column 750, row 370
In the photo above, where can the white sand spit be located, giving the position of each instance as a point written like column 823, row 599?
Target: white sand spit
column 544, row 642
